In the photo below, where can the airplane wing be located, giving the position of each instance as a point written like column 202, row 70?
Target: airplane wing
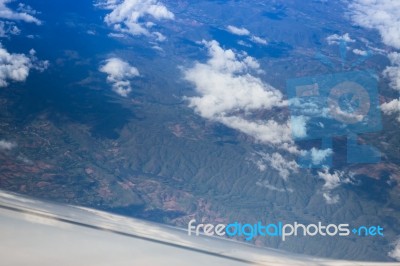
column 35, row 232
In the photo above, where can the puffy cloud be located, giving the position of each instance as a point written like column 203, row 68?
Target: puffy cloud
column 394, row 58
column 360, row 52
column 318, row 156
column 8, row 28
column 159, row 36
column 128, row 16
column 268, row 131
column 7, row 145
column 395, row 252
column 332, row 181
column 40, row 65
column 282, row 165
column 382, row 15
column 392, row 107
column 246, row 32
column 16, row 67
column 27, row 9
column 335, row 39
column 238, row 31
column 276, row 161
column 23, row 14
column 261, row 165
column 329, row 199
column 118, row 74
column 229, row 93
column 299, row 126
column 393, row 72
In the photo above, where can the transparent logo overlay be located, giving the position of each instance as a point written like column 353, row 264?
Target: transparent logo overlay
column 339, row 104
column 282, row 230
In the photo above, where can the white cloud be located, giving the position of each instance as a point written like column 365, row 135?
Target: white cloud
column 258, row 40
column 246, row 32
column 40, row 65
column 238, row 31
column 22, row 15
column 360, row 52
column 159, row 36
column 133, row 16
column 382, row 15
column 394, row 58
column 16, row 67
column 261, row 165
column 243, row 43
column 335, row 39
column 91, row 32
column 7, row 145
column 116, row 35
column 329, row 199
column 393, row 72
column 27, row 9
column 284, row 167
column 308, row 107
column 395, row 252
column 267, row 185
column 8, row 28
column 318, row 156
column 268, row 131
column 158, row 48
column 229, row 93
column 392, row 107
column 299, row 126
column 332, row 181
column 118, row 74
